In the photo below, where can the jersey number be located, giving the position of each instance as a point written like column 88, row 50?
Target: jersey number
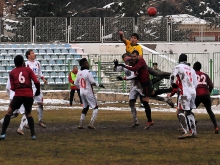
column 82, row 83
column 201, row 79
column 190, row 76
column 21, row 78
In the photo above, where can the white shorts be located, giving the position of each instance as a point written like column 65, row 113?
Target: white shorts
column 186, row 102
column 38, row 99
column 134, row 92
column 88, row 100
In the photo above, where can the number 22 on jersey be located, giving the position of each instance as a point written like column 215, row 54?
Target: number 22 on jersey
column 201, row 79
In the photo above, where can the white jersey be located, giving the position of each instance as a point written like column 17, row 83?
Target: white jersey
column 84, row 81
column 36, row 67
column 129, row 74
column 187, row 77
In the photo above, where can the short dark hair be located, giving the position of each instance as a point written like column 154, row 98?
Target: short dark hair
column 135, row 35
column 18, row 60
column 135, row 51
column 197, row 66
column 154, row 63
column 82, row 61
column 125, row 54
column 28, row 52
column 182, row 58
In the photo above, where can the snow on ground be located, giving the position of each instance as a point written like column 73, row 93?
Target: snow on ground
column 57, row 104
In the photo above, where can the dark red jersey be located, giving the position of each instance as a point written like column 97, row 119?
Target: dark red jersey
column 141, row 69
column 177, row 89
column 20, row 79
column 205, row 84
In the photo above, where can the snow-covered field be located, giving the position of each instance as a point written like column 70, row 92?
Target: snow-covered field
column 57, row 104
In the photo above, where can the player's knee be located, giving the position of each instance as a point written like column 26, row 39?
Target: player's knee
column 85, row 110
column 132, row 102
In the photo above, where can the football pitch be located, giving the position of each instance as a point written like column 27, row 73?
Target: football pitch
column 112, row 142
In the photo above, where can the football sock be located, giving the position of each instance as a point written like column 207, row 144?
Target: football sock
column 183, row 122
column 134, row 113
column 6, row 123
column 31, row 125
column 82, row 117
column 147, row 111
column 212, row 116
column 40, row 112
column 23, row 122
column 192, row 123
column 94, row 115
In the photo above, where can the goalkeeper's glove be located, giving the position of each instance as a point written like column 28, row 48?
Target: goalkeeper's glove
column 115, row 62
column 119, row 78
column 101, row 86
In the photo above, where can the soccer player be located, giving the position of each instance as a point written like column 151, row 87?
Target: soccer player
column 132, row 44
column 85, row 81
column 16, row 112
column 141, row 69
column 21, row 83
column 36, row 67
column 203, row 91
column 187, row 79
column 135, row 90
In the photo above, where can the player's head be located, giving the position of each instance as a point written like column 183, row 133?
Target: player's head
column 134, row 39
column 155, row 65
column 135, row 55
column 197, row 66
column 126, row 57
column 188, row 64
column 30, row 54
column 84, row 63
column 18, row 60
column 75, row 69
column 182, row 58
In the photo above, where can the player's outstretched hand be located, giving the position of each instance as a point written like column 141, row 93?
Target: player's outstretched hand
column 119, row 78
column 121, row 65
column 101, row 86
column 115, row 62
column 37, row 93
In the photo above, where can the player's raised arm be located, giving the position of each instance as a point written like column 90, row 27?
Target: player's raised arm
column 122, row 37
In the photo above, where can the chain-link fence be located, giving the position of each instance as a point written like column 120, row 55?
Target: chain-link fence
column 183, row 28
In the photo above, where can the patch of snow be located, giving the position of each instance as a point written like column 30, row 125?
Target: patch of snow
column 108, row 5
column 68, row 4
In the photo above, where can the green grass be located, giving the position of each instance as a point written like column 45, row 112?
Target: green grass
column 113, row 142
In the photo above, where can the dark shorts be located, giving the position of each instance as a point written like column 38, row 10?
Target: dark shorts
column 205, row 99
column 147, row 89
column 19, row 100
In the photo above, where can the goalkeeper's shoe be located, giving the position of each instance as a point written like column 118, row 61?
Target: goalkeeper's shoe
column 135, row 124
column 33, row 137
column 2, row 137
column 91, row 126
column 148, row 125
column 216, row 130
